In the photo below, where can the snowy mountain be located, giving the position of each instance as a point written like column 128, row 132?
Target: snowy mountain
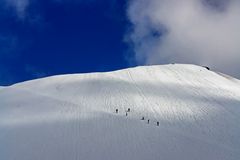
column 73, row 117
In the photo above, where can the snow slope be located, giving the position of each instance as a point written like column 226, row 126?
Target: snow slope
column 72, row 117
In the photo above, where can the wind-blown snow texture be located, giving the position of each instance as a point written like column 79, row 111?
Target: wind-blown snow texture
column 72, row 117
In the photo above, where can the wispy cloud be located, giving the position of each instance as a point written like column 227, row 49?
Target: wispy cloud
column 19, row 6
column 8, row 43
column 34, row 72
column 191, row 31
column 8, row 51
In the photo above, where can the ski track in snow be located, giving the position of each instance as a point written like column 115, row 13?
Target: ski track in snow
column 72, row 117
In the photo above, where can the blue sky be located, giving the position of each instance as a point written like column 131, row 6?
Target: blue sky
column 49, row 37
column 40, row 38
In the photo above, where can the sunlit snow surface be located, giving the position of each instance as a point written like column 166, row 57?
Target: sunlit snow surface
column 72, row 117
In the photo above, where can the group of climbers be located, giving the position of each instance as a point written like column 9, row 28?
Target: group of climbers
column 143, row 118
column 148, row 121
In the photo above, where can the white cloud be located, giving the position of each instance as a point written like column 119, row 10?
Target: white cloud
column 204, row 32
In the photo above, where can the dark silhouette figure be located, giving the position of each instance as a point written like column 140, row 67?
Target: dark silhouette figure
column 148, row 121
column 116, row 110
column 142, row 118
column 126, row 113
column 206, row 67
column 128, row 110
column 157, row 123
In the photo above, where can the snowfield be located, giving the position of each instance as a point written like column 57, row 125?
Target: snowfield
column 72, row 117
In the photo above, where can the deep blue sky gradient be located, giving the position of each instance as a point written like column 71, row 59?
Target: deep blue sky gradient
column 62, row 38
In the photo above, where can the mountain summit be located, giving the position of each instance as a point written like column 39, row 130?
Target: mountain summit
column 167, row 112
